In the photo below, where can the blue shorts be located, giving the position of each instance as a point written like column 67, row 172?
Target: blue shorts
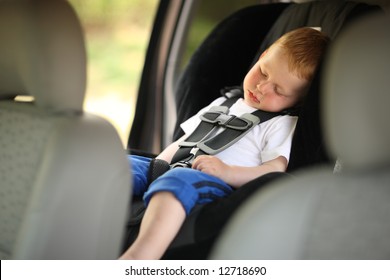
column 139, row 168
column 189, row 186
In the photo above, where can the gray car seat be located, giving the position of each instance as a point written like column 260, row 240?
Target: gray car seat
column 64, row 179
column 332, row 216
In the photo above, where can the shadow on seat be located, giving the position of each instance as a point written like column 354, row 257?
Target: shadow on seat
column 64, row 179
column 332, row 216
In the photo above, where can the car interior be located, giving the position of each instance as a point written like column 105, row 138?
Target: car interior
column 203, row 76
column 65, row 181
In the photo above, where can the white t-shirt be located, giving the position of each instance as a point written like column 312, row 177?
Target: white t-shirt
column 262, row 143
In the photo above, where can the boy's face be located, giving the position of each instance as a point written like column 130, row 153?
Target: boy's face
column 270, row 86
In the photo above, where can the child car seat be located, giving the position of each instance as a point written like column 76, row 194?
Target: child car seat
column 216, row 65
column 332, row 216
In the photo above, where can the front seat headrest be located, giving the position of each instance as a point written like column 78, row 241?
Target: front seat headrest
column 42, row 53
column 357, row 95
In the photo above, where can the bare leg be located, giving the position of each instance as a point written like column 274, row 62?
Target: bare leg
column 160, row 224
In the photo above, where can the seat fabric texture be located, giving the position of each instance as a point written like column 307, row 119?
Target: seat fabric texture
column 332, row 216
column 64, row 178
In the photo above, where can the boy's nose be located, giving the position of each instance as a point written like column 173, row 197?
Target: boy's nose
column 264, row 88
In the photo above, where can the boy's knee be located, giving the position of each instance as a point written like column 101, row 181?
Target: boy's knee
column 170, row 182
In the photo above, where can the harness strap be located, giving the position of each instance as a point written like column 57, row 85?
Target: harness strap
column 210, row 122
column 204, row 141
column 232, row 133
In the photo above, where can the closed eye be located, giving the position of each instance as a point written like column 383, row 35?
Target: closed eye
column 262, row 73
column 277, row 91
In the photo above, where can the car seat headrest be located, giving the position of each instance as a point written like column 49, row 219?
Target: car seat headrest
column 42, row 53
column 328, row 16
column 357, row 95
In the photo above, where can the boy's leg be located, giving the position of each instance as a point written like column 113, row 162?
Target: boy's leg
column 169, row 199
column 160, row 224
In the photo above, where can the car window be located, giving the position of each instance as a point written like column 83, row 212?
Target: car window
column 117, row 34
column 206, row 16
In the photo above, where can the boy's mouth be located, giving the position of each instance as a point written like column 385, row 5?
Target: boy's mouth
column 253, row 97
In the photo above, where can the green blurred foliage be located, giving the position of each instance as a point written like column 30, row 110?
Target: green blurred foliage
column 106, row 13
column 117, row 33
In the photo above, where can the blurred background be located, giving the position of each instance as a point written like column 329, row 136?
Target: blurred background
column 117, row 33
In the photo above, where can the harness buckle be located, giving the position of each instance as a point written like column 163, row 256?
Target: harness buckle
column 183, row 164
column 216, row 116
column 187, row 163
column 244, row 122
column 239, row 124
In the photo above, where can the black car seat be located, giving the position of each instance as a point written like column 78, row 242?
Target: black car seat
column 332, row 216
column 216, row 65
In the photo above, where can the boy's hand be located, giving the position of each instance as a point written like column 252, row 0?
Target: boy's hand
column 236, row 176
column 211, row 165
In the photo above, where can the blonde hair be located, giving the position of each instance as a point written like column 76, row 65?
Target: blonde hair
column 304, row 48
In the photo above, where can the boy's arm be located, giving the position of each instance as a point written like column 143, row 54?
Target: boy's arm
column 236, row 176
column 168, row 153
